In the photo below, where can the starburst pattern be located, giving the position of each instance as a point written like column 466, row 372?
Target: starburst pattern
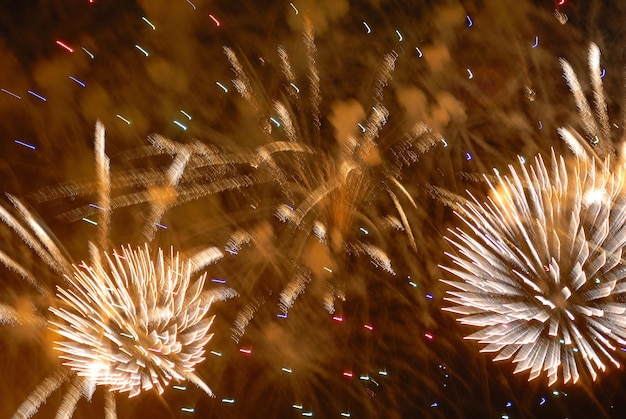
column 135, row 323
column 541, row 265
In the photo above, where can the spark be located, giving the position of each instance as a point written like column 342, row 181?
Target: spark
column 79, row 82
column 180, row 125
column 222, row 86
column 64, row 46
column 142, row 50
column 123, row 119
column 37, row 95
column 11, row 93
column 88, row 53
column 148, row 22
column 217, row 22
column 32, row 147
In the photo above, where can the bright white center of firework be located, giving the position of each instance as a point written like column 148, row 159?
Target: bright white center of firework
column 595, row 196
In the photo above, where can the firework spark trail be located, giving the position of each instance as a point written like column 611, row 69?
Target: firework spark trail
column 103, row 186
column 600, row 136
column 540, row 268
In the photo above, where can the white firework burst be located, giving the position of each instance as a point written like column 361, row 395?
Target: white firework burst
column 133, row 324
column 541, row 267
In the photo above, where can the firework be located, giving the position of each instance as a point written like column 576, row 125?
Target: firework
column 541, row 268
column 126, row 322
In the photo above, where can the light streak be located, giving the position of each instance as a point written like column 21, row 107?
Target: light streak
column 230, row 401
column 413, row 284
column 369, row 30
column 32, row 147
column 180, row 125
column 536, row 44
column 216, row 353
column 246, row 351
column 364, row 230
column 400, row 38
column 469, row 21
column 218, row 281
column 79, row 82
column 188, row 409
column 186, row 114
column 64, row 46
column 89, row 221
column 8, row 92
column 287, row 370
column 37, row 95
column 164, row 227
column 142, row 50
column 123, row 119
column 191, row 4
column 222, row 86
column 181, row 388
column 471, row 76
column 419, row 52
column 96, row 207
column 348, row 374
column 88, row 53
column 603, row 73
column 148, row 22
column 294, row 8
column 217, row 22
column 368, row 327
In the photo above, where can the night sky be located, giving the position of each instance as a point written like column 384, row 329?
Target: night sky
column 483, row 75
